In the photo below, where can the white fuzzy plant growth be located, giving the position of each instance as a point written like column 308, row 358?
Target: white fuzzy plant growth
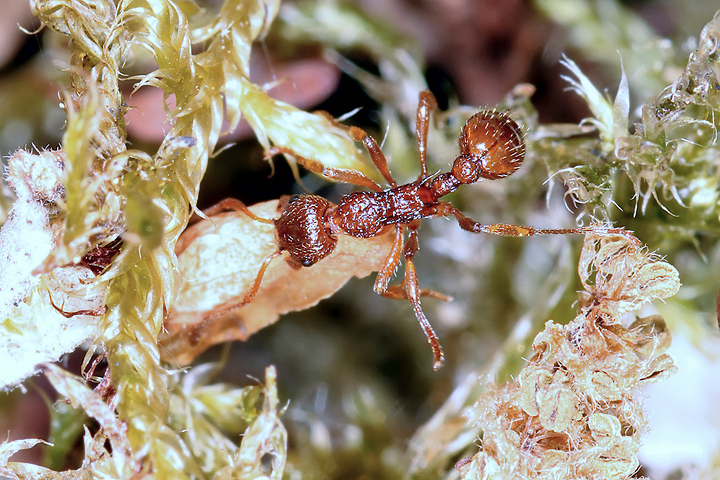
column 32, row 330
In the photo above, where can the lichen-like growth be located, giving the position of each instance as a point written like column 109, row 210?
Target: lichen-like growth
column 203, row 413
column 573, row 411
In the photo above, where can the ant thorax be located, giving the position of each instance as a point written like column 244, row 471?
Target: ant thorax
column 359, row 215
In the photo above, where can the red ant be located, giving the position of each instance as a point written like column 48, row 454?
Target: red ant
column 491, row 146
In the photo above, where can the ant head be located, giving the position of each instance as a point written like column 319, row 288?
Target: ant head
column 494, row 142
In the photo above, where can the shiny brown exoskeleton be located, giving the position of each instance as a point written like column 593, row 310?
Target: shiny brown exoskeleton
column 491, row 147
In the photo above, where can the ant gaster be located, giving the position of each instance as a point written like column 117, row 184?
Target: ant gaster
column 491, row 147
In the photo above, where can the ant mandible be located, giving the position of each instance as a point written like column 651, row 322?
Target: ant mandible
column 492, row 146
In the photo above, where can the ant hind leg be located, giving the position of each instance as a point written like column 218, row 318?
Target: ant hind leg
column 508, row 230
column 426, row 106
column 413, row 296
column 398, row 291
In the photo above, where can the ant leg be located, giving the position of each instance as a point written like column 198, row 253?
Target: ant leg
column 376, row 155
column 258, row 278
column 397, row 292
column 411, row 248
column 94, row 313
column 426, row 106
column 352, row 177
column 234, row 205
column 507, row 230
column 391, row 263
column 249, row 296
column 411, row 291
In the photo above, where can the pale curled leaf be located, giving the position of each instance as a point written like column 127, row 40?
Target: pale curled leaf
column 10, row 448
column 549, row 397
column 624, row 275
column 537, row 377
column 603, row 112
column 80, row 395
column 621, row 106
column 219, row 259
column 311, row 136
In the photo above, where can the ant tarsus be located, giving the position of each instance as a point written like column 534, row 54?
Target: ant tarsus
column 94, row 312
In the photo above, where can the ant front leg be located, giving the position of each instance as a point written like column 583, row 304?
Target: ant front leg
column 234, row 205
column 373, row 149
column 226, row 307
column 352, row 177
column 411, row 290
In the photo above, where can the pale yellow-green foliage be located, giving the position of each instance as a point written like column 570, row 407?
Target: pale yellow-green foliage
column 111, row 190
column 607, row 31
column 668, row 156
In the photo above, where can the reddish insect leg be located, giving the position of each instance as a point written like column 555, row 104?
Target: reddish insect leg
column 426, row 106
column 382, row 281
column 409, row 289
column 249, row 296
column 413, row 293
column 387, row 270
column 507, row 230
column 234, row 205
column 94, row 312
column 376, row 155
column 352, row 177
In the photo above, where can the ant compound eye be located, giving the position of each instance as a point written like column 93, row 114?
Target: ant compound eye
column 495, row 142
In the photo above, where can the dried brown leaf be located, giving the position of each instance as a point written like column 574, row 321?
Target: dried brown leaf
column 219, row 259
